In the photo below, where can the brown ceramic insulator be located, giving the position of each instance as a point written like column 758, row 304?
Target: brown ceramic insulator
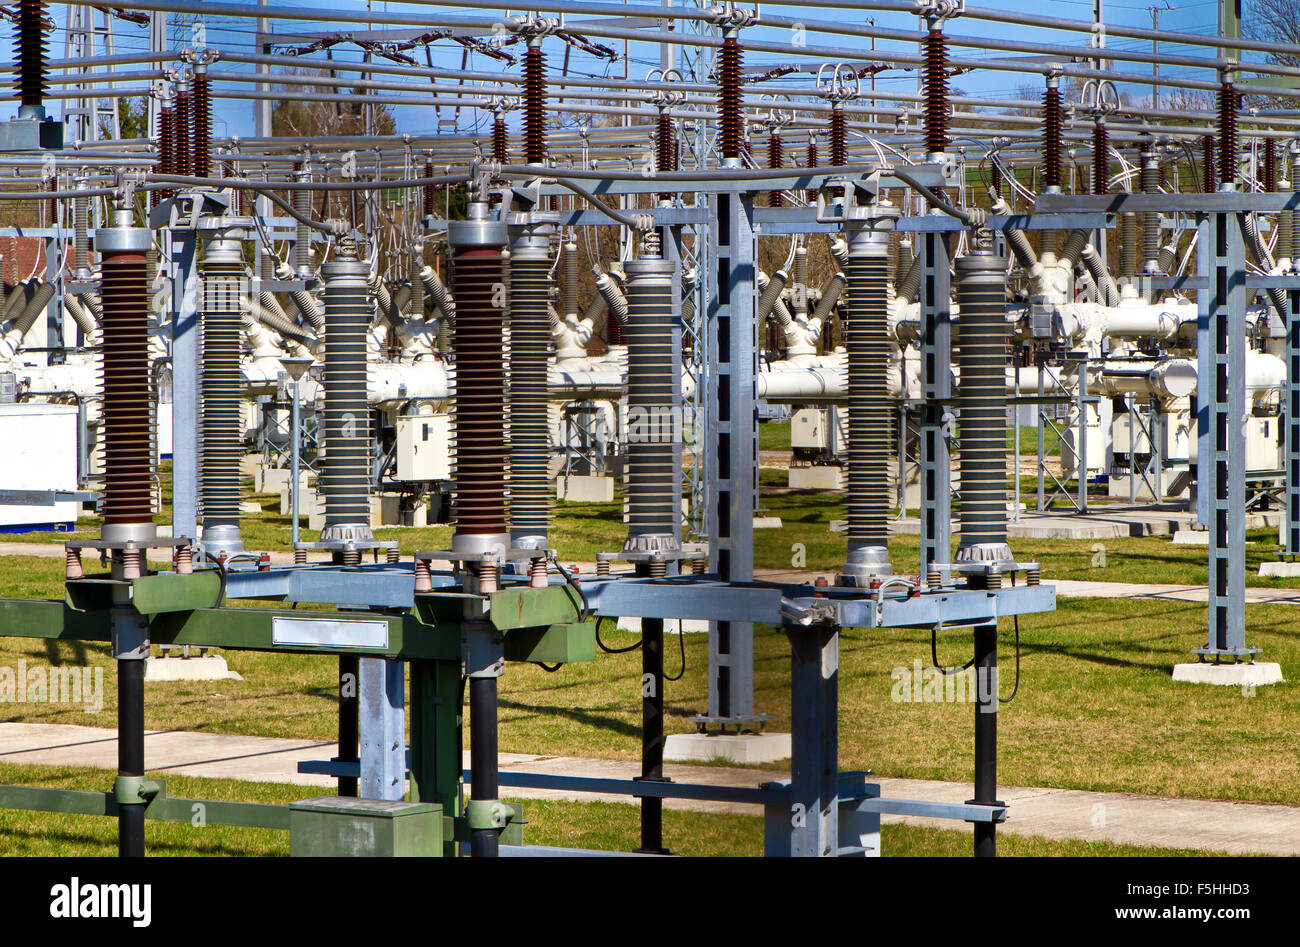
column 995, row 179
column 1209, row 180
column 1229, row 155
column 774, row 158
column 181, row 124
column 839, row 139
column 500, row 141
column 614, row 334
column 128, row 449
column 430, row 192
column 811, row 162
column 534, row 106
column 480, row 391
column 30, row 53
column 1269, row 177
column 200, row 125
column 732, row 128
column 1100, row 158
column 1052, row 137
column 166, row 146
column 665, row 150
column 935, row 90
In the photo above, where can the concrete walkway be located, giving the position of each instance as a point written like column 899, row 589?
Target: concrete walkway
column 1237, row 828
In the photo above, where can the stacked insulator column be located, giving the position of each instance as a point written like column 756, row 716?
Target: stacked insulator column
column 866, row 327
column 1268, row 177
column 1100, row 157
column 1209, row 179
column 345, row 470
column 430, row 192
column 811, row 161
column 302, row 234
column 731, row 131
column 534, row 88
column 935, row 91
column 181, row 118
column 530, row 335
column 166, row 141
column 221, row 427
column 838, row 139
column 665, row 149
column 653, row 404
column 774, row 159
column 30, row 55
column 478, row 288
column 81, row 236
column 127, row 400
column 1052, row 122
column 1229, row 154
column 201, row 123
column 500, row 141
column 1150, row 177
column 982, row 402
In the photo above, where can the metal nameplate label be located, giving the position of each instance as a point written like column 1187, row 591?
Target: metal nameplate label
column 329, row 633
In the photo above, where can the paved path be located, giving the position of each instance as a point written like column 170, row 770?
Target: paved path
column 1232, row 827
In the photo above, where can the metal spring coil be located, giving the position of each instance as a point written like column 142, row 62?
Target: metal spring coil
column 124, row 370
column 480, row 391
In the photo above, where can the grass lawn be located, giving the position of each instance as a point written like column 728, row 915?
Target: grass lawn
column 596, row 825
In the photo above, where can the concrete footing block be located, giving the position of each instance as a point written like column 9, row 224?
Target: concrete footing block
column 1191, row 537
column 211, row 667
column 767, row 522
column 1282, row 570
column 1229, row 675
column 732, row 747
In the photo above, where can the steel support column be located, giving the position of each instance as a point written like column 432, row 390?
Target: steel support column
column 383, row 729
column 184, row 308
column 1291, row 528
column 814, row 736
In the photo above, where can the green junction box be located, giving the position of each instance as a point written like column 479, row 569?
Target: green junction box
column 341, row 826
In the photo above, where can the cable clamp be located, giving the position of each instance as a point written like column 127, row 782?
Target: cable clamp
column 487, row 814
column 133, row 790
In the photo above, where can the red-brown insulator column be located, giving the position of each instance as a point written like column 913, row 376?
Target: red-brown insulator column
column 201, row 124
column 935, row 88
column 181, row 118
column 811, row 162
column 1100, row 157
column 1269, row 181
column 500, row 141
column 430, row 192
column 774, row 159
column 1052, row 135
column 479, row 290
column 534, row 105
column 1209, row 180
column 665, row 149
column 30, row 54
column 732, row 129
column 995, row 179
column 127, row 400
column 1229, row 155
column 839, row 139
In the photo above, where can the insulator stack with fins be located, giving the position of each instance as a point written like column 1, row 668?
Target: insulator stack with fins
column 1229, row 153
column 838, row 138
column 731, row 132
column 530, row 336
column 1209, row 179
column 774, row 159
column 222, row 388
column 345, row 469
column 534, row 105
column 982, row 402
column 500, row 141
column 1100, row 157
column 430, row 192
column 30, row 81
column 127, row 400
column 181, row 118
column 1269, row 175
column 665, row 149
column 1052, row 136
column 935, row 91
column 201, row 124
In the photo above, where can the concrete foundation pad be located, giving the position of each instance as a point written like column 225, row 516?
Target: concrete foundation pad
column 210, row 667
column 1283, row 570
column 732, row 747
column 767, row 522
column 578, row 489
column 816, row 478
column 1192, row 537
column 1230, row 675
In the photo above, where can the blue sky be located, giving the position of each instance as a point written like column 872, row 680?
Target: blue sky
column 235, row 116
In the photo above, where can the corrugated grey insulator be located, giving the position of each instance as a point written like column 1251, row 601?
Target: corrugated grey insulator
column 80, row 315
column 96, row 308
column 311, row 308
column 910, row 284
column 782, row 313
column 801, row 281
column 613, row 297
column 1165, row 259
column 437, row 290
column 387, row 307
column 982, row 402
column 688, row 297
column 1075, row 241
column 871, row 414
column 415, row 289
column 1101, row 277
column 272, row 305
column 402, row 299
column 302, row 203
column 35, row 306
column 770, row 293
column 570, row 286
column 345, row 469
column 277, row 321
column 1021, row 249
column 653, row 406
column 81, row 236
column 840, row 251
column 1128, row 239
column 221, row 425
column 17, row 299
column 530, row 336
column 1275, row 296
column 596, row 311
column 1088, row 286
column 830, row 296
column 1150, row 222
column 1286, row 232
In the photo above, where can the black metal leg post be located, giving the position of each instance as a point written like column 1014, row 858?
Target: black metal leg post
column 130, row 648
column 652, row 732
column 487, row 816
column 814, row 737
column 986, row 735
column 349, row 720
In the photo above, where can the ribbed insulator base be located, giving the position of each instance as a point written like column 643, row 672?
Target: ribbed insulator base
column 839, row 139
column 530, row 337
column 181, row 117
column 302, row 203
column 1100, row 158
column 500, row 141
column 201, row 126
column 1052, row 127
column 731, row 131
column 982, row 359
column 935, row 90
column 1229, row 154
column 222, row 389
column 534, row 106
column 653, row 401
column 866, row 327
column 128, row 455
column 30, row 53
column 345, row 469
column 477, row 286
